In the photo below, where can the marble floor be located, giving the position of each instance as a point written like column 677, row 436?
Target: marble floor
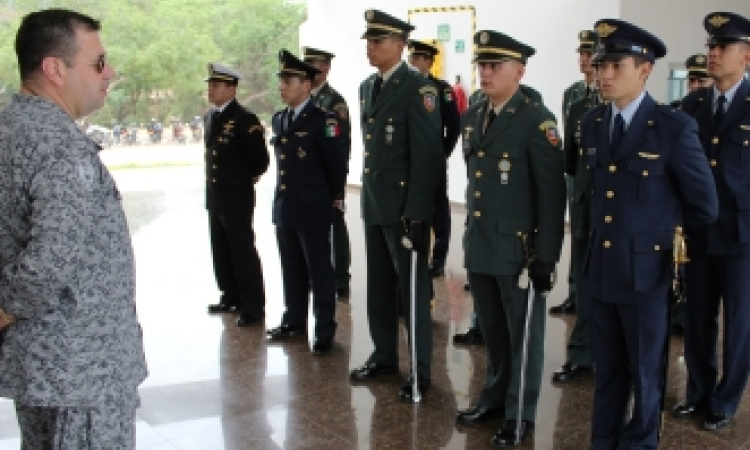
column 213, row 386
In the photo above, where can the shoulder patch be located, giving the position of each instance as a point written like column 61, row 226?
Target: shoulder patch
column 256, row 128
column 549, row 127
column 332, row 128
column 342, row 110
column 429, row 97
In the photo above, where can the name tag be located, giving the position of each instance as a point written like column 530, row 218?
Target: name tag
column 648, row 155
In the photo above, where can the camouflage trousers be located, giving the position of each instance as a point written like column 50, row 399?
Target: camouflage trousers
column 108, row 427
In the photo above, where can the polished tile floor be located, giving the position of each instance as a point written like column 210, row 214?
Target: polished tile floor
column 213, row 386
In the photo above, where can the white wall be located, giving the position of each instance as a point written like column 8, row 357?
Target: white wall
column 550, row 26
column 679, row 23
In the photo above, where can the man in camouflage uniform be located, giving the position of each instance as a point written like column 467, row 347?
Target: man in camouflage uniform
column 71, row 351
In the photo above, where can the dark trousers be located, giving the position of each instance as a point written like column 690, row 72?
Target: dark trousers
column 342, row 257
column 306, row 259
column 711, row 280
column 388, row 281
column 579, row 345
column 501, row 307
column 236, row 261
column 628, row 342
column 441, row 223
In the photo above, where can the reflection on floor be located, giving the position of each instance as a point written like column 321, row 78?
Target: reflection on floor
column 213, row 386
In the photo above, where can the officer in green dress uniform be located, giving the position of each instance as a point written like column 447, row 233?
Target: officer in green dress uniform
column 578, row 360
column 516, row 206
column 326, row 97
column 402, row 159
column 421, row 57
column 697, row 67
column 580, row 89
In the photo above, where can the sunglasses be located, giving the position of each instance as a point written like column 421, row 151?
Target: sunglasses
column 98, row 65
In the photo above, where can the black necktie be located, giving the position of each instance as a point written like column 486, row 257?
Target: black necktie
column 719, row 114
column 490, row 118
column 618, row 129
column 376, row 88
column 588, row 92
column 289, row 117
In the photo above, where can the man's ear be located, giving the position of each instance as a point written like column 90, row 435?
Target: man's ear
column 54, row 69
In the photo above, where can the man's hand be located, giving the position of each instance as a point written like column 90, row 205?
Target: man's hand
column 5, row 319
column 540, row 274
column 416, row 236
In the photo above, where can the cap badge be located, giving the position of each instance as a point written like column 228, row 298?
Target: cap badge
column 584, row 34
column 369, row 15
column 700, row 59
column 604, row 29
column 484, row 38
column 718, row 21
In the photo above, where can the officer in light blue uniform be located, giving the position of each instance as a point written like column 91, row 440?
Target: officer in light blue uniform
column 717, row 275
column 649, row 175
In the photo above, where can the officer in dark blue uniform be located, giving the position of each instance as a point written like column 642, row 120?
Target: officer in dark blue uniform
column 312, row 163
column 649, row 175
column 236, row 156
column 422, row 56
column 720, row 252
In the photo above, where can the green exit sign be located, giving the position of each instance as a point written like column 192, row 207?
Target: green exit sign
column 444, row 32
column 460, row 46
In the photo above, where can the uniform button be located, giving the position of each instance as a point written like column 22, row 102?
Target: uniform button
column 478, row 174
column 402, row 183
column 613, row 168
column 214, row 153
column 607, row 244
column 715, row 140
column 580, row 152
column 645, row 173
column 608, row 219
column 281, row 173
column 745, row 142
column 213, row 180
column 282, row 157
column 369, row 136
column 477, row 213
column 657, row 247
column 367, row 170
column 367, row 154
column 505, row 155
column 370, row 120
column 477, row 194
column 215, row 166
column 282, row 187
column 610, row 194
column 480, row 154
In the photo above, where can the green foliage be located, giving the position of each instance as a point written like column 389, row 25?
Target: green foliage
column 160, row 49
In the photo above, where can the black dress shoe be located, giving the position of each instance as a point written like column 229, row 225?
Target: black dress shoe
column 472, row 336
column 407, row 391
column 566, row 307
column 478, row 414
column 284, row 331
column 506, row 436
column 222, row 308
column 247, row 319
column 569, row 371
column 687, row 409
column 321, row 346
column 370, row 371
column 717, row 421
column 437, row 271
